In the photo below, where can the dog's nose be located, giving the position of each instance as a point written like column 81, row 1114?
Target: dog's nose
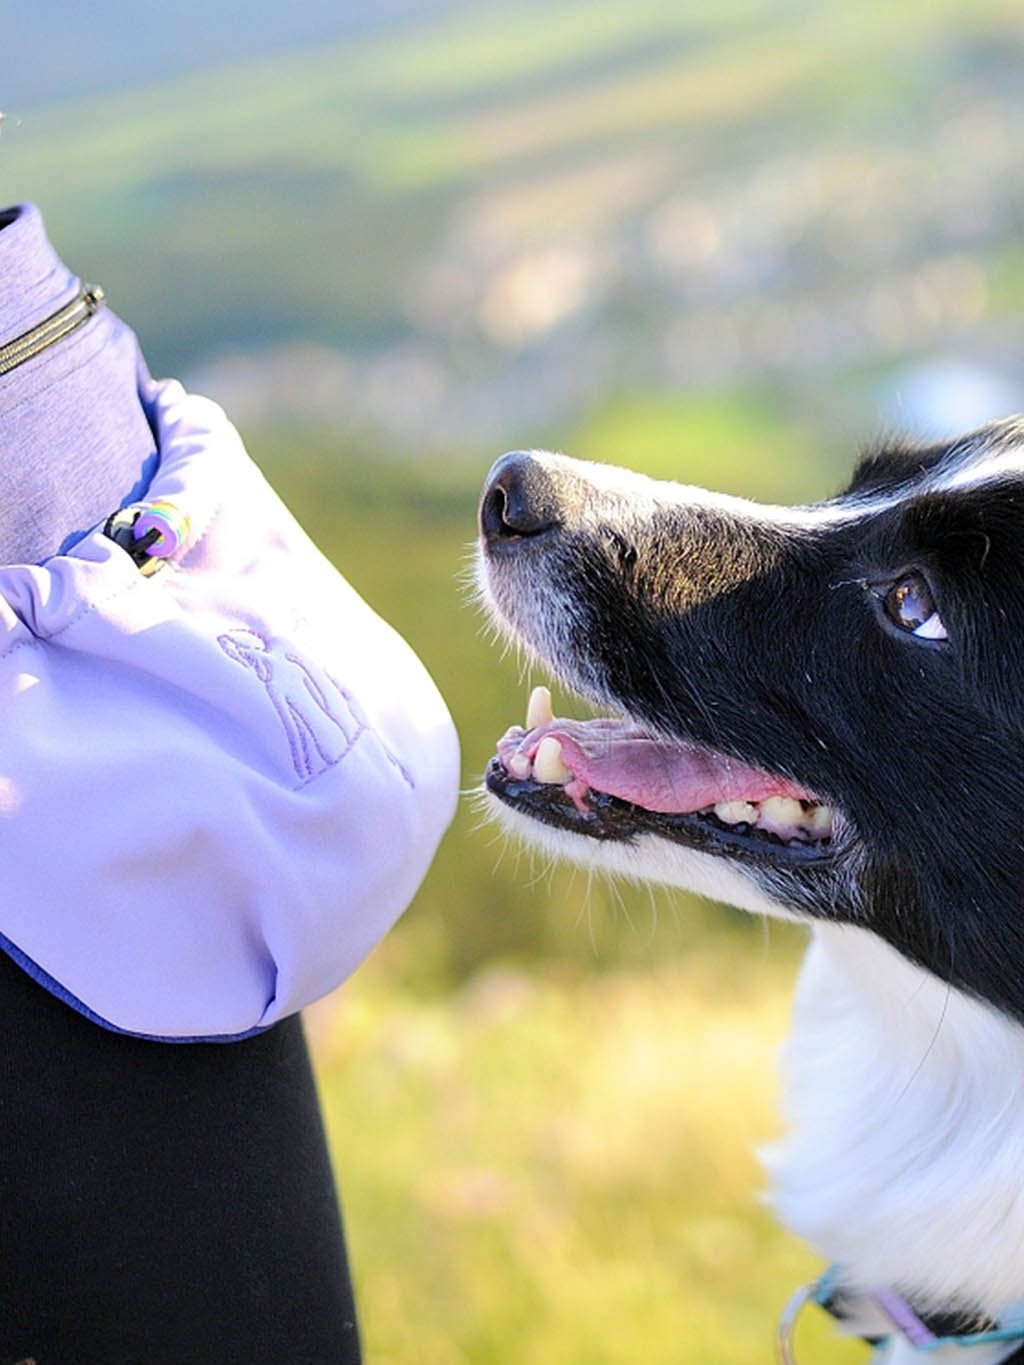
column 519, row 499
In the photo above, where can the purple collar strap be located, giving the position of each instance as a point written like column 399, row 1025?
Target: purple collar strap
column 220, row 784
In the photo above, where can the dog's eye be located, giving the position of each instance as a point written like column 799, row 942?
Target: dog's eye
column 909, row 605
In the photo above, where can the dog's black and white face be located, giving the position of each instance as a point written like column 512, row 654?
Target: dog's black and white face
column 815, row 710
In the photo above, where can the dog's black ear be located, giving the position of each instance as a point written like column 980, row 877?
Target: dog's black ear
column 895, row 461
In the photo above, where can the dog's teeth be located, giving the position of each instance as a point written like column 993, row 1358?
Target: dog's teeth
column 819, row 821
column 547, row 762
column 736, row 812
column 539, row 711
column 781, row 811
column 519, row 766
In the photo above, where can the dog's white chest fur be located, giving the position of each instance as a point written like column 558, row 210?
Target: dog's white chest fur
column 905, row 1102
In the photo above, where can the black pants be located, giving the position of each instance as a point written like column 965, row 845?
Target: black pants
column 163, row 1204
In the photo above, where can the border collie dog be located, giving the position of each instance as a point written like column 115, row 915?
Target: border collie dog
column 817, row 713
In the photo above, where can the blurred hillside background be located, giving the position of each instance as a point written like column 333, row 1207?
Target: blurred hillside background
column 726, row 242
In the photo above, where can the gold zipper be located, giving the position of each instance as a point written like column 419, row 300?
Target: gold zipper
column 52, row 329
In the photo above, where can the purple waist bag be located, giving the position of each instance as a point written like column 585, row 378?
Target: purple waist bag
column 220, row 783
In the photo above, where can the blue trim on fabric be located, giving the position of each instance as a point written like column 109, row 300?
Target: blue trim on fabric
column 43, row 978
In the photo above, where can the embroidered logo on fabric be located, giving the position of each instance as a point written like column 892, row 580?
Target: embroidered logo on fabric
column 321, row 720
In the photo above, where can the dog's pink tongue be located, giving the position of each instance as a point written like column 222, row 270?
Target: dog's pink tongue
column 622, row 760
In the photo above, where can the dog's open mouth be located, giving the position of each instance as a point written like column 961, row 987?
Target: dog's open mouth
column 610, row 779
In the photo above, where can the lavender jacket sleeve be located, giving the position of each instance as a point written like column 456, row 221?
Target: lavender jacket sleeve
column 221, row 784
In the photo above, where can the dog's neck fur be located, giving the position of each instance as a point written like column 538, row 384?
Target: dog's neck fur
column 905, row 1100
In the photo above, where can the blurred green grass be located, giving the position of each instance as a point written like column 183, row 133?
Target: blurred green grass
column 543, row 1092
column 550, row 1166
